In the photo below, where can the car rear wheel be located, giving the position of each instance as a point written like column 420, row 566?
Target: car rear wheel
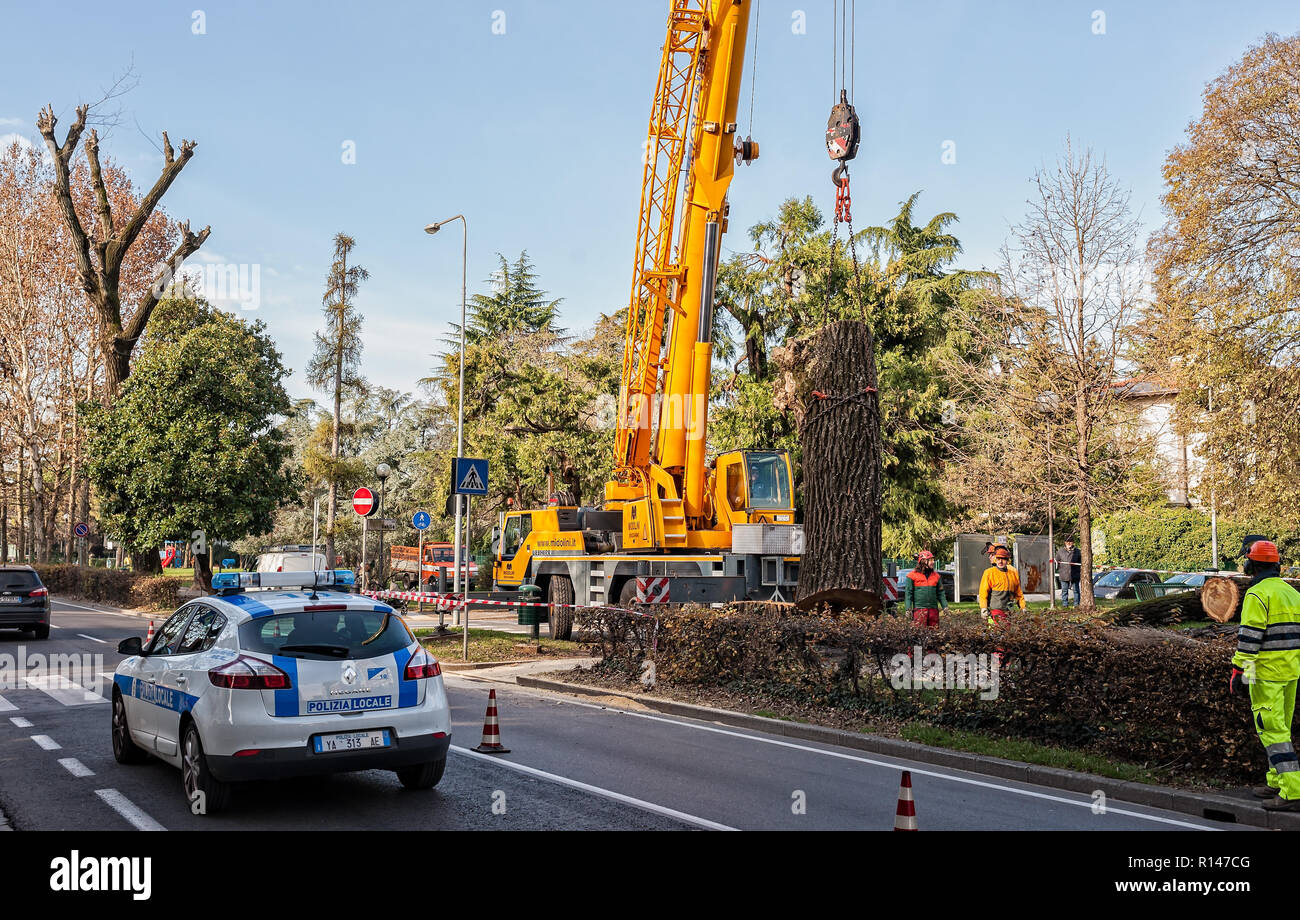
column 560, row 591
column 125, row 750
column 422, row 775
column 41, row 631
column 205, row 793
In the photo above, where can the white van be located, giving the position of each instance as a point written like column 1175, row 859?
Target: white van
column 291, row 562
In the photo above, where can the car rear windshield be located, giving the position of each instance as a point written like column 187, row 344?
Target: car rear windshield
column 326, row 634
column 15, row 581
column 1113, row 579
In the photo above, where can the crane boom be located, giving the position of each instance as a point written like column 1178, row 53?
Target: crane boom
column 692, row 132
column 708, row 532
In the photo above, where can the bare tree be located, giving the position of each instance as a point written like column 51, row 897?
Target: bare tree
column 1045, row 394
column 101, row 275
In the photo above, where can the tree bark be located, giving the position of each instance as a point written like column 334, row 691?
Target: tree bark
column 828, row 380
column 202, row 573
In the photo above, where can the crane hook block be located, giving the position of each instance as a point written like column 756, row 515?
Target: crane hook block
column 747, row 150
column 843, row 131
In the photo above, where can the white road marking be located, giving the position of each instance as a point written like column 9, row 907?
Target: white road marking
column 596, row 790
column 75, row 766
column 20, row 722
column 63, row 690
column 52, row 626
column 128, row 810
column 92, row 638
column 63, row 603
column 893, row 766
column 6, row 706
column 46, row 742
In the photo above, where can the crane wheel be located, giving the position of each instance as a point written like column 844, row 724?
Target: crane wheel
column 560, row 591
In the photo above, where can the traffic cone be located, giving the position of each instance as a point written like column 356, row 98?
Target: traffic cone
column 149, row 638
column 905, row 817
column 491, row 735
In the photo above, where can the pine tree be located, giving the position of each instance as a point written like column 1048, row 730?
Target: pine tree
column 336, row 364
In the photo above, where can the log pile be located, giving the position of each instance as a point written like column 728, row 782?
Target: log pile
column 1219, row 599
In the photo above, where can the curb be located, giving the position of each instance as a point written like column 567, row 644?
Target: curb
column 479, row 665
column 1208, row 806
column 4, row 822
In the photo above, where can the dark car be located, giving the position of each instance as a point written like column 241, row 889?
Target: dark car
column 24, row 601
column 1118, row 583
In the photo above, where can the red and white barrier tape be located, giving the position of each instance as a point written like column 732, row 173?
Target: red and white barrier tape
column 452, row 601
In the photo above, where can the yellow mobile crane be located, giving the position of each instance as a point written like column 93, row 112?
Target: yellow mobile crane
column 715, row 531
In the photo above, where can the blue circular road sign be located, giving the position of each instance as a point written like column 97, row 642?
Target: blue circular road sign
column 82, row 530
column 420, row 520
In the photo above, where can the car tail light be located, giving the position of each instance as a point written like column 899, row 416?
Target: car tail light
column 422, row 666
column 316, row 608
column 246, row 673
column 37, row 592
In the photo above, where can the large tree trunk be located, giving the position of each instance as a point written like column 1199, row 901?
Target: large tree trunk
column 202, row 573
column 146, row 561
column 828, row 379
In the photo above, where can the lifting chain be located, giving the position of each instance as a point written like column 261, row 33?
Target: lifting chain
column 826, row 403
column 843, row 214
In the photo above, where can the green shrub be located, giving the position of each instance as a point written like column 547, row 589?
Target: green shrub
column 158, row 592
column 110, row 586
column 1178, row 539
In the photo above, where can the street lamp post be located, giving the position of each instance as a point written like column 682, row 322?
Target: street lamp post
column 383, row 471
column 460, row 397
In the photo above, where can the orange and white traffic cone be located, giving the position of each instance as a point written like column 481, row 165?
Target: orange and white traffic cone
column 491, row 734
column 905, row 817
column 149, row 638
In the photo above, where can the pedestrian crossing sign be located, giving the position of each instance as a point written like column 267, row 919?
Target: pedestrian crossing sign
column 469, row 476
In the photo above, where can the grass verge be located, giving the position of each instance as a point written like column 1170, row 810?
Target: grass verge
column 494, row 645
column 1026, row 752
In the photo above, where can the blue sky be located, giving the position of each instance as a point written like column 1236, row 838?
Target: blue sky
column 535, row 134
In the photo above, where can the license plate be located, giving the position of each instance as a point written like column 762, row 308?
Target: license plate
column 352, row 741
column 12, row 600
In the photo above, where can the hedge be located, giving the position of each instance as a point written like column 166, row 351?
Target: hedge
column 1178, row 539
column 1143, row 696
column 111, row 586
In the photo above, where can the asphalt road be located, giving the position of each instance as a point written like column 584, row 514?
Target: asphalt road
column 574, row 765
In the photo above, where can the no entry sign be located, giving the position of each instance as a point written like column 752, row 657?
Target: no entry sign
column 363, row 502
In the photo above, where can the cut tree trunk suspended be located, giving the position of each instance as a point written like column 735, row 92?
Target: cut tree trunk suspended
column 828, row 380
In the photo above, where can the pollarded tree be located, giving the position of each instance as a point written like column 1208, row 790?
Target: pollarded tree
column 102, row 253
column 191, row 442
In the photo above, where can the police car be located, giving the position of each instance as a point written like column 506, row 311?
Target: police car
column 292, row 679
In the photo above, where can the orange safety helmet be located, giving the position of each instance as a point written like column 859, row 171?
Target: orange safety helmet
column 1264, row 551
column 1001, row 552
column 925, row 556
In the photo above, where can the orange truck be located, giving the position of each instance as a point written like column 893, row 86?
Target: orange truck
column 438, row 557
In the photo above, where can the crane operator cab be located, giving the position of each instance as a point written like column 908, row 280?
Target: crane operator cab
column 753, row 487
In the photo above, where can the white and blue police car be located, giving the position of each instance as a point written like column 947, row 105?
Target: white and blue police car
column 275, row 676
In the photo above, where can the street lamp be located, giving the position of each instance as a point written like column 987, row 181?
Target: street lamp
column 460, row 398
column 383, row 471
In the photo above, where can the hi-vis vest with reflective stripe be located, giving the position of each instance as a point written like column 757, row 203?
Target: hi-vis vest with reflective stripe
column 1269, row 634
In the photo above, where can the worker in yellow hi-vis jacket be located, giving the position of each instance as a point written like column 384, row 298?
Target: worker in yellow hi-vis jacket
column 1000, row 588
column 1267, row 662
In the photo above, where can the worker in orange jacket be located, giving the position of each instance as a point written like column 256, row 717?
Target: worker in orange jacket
column 1000, row 588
